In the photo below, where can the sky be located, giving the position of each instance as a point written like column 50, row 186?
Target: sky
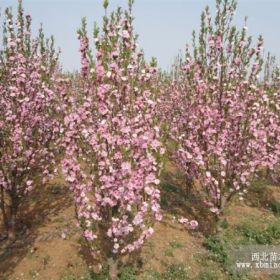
column 164, row 26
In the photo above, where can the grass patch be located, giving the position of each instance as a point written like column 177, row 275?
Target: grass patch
column 151, row 274
column 176, row 245
column 275, row 277
column 259, row 185
column 168, row 252
column 127, row 273
column 217, row 249
column 252, row 234
column 175, row 271
column 88, row 276
column 206, row 275
column 172, row 272
column 275, row 207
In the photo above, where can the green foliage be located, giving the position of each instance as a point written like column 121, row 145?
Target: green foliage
column 239, row 276
column 105, row 4
column 88, row 276
column 153, row 62
column 217, row 249
column 69, row 277
column 176, row 245
column 259, row 185
column 163, row 202
column 275, row 207
column 172, row 272
column 275, row 277
column 175, row 272
column 127, row 273
column 168, row 252
column 206, row 275
column 224, row 224
column 170, row 188
column 252, row 233
column 152, row 275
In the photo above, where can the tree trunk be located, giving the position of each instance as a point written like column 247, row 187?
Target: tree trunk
column 107, row 244
column 268, row 174
column 12, row 216
column 219, row 222
column 3, row 209
column 113, row 269
column 12, row 223
column 188, row 184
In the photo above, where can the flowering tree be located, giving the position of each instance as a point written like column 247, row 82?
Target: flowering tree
column 272, row 87
column 219, row 114
column 28, row 128
column 112, row 141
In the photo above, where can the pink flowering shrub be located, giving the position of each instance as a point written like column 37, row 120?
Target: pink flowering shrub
column 219, row 114
column 112, row 140
column 28, row 128
column 272, row 87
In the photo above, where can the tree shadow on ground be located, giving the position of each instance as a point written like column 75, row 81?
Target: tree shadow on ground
column 94, row 256
column 41, row 205
column 177, row 199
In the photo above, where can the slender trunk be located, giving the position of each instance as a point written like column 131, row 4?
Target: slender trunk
column 220, row 216
column 3, row 209
column 12, row 224
column 113, row 268
column 268, row 174
column 188, row 183
column 106, row 242
column 12, row 217
column 219, row 223
column 224, row 201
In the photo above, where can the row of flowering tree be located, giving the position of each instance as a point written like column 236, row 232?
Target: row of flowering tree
column 107, row 124
column 224, row 121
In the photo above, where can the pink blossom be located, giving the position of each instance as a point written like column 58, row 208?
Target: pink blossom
column 125, row 34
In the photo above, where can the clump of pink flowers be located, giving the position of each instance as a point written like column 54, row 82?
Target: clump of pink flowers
column 193, row 224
